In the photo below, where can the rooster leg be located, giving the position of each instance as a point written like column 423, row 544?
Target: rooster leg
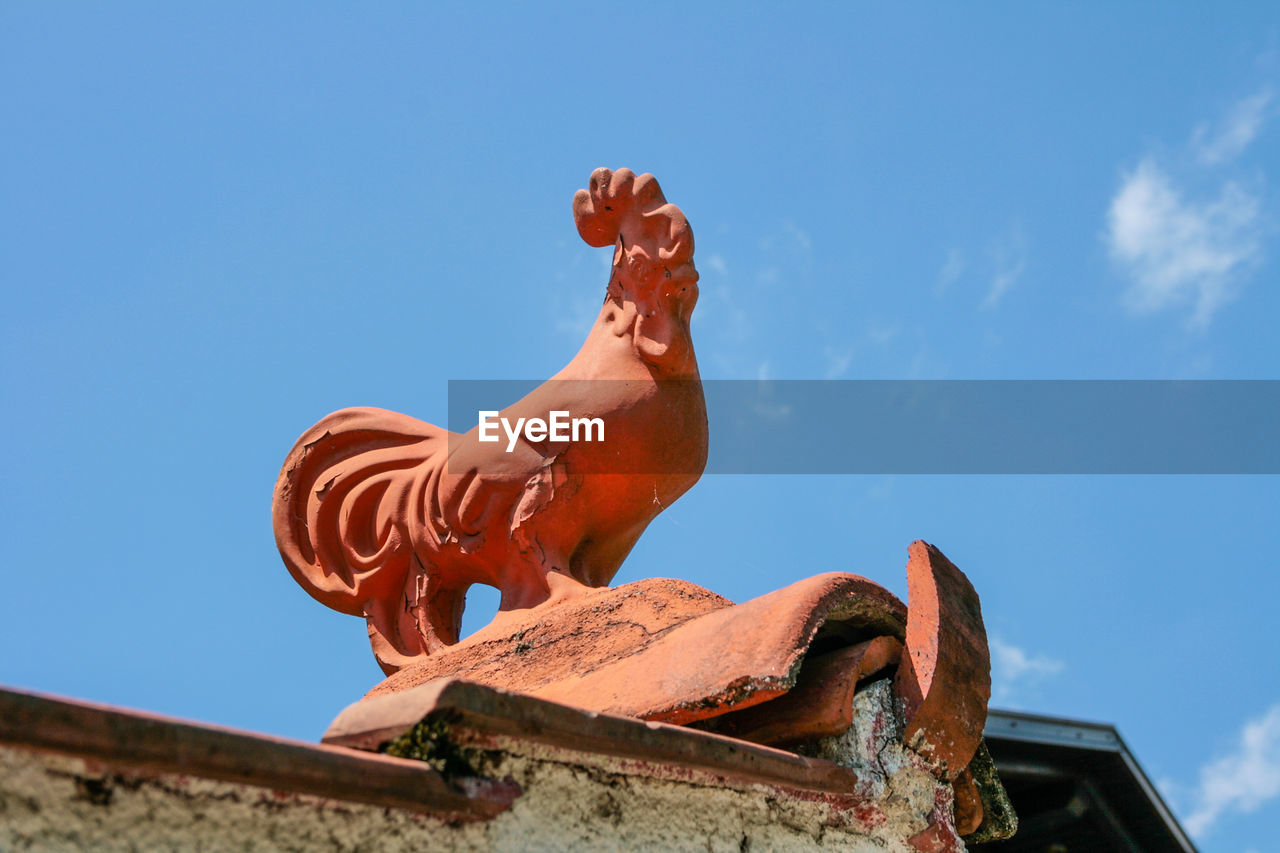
column 596, row 562
column 437, row 611
column 539, row 576
column 393, row 634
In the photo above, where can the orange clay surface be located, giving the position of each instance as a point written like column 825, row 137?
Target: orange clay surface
column 383, row 516
column 665, row 649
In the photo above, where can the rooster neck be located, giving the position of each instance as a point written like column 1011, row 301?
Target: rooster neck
column 611, row 351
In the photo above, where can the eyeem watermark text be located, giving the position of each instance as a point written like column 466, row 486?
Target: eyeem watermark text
column 979, row 427
column 558, row 426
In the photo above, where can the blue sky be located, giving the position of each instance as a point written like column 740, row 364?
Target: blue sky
column 221, row 222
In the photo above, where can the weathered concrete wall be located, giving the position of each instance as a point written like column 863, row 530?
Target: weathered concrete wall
column 56, row 803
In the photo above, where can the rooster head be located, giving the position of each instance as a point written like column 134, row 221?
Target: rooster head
column 652, row 260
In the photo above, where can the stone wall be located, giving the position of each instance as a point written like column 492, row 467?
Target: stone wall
column 567, row 800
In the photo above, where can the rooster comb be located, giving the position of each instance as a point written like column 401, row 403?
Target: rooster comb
column 620, row 207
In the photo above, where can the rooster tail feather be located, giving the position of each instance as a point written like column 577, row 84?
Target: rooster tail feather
column 351, row 507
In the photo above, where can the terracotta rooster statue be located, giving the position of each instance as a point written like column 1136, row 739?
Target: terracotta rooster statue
column 380, row 515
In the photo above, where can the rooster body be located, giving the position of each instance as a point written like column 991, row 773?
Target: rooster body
column 384, row 516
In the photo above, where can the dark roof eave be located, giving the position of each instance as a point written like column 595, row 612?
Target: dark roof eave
column 1068, row 734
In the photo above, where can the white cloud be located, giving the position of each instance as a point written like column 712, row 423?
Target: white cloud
column 792, row 237
column 1225, row 142
column 800, row 236
column 1012, row 670
column 951, row 270
column 1179, row 250
column 788, row 238
column 1006, row 275
column 882, row 335
column 788, row 253
column 1242, row 780
column 1008, row 260
column 576, row 315
column 1005, row 261
column 1171, row 790
column 838, row 360
column 579, row 291
column 1176, row 250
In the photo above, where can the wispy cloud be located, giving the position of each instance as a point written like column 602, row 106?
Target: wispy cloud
column 837, row 361
column 882, row 334
column 1176, row 250
column 579, row 290
column 1013, row 670
column 575, row 314
column 1003, row 265
column 1008, row 260
column 738, row 292
column 1214, row 144
column 790, row 237
column 787, row 253
column 1181, row 250
column 952, row 269
column 723, row 318
column 1242, row 780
